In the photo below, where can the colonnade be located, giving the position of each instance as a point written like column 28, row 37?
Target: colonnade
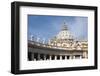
column 38, row 56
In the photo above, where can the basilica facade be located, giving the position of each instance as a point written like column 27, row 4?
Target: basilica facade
column 62, row 46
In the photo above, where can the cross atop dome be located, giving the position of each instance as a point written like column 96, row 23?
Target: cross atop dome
column 64, row 26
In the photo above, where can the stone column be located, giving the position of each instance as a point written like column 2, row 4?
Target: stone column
column 80, row 57
column 50, row 57
column 73, row 56
column 70, row 57
column 65, row 57
column 44, row 57
column 55, row 57
column 84, row 54
column 60, row 57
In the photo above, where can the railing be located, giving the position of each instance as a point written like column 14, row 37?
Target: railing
column 55, row 47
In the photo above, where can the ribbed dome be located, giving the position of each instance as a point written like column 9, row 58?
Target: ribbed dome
column 64, row 33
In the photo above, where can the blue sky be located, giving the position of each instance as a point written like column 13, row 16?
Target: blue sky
column 46, row 27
